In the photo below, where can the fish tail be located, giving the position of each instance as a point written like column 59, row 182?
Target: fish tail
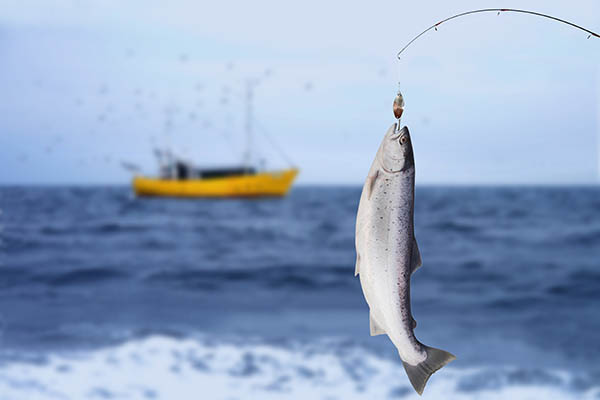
column 420, row 373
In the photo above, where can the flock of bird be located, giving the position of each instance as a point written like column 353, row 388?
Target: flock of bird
column 151, row 115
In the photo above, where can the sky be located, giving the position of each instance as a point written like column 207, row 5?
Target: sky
column 490, row 99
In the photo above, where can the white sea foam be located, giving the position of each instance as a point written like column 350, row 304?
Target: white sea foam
column 180, row 369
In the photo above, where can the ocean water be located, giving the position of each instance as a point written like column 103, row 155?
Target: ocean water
column 107, row 296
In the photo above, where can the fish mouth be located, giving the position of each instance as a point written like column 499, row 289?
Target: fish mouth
column 399, row 132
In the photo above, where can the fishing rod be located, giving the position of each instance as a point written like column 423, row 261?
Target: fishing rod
column 398, row 105
column 498, row 10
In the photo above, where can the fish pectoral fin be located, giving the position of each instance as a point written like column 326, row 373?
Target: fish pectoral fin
column 357, row 268
column 416, row 261
column 376, row 329
column 414, row 323
column 371, row 179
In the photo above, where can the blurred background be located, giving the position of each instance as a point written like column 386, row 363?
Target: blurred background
column 105, row 294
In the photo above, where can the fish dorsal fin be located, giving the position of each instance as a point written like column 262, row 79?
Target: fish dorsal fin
column 376, row 329
column 357, row 268
column 416, row 261
column 371, row 185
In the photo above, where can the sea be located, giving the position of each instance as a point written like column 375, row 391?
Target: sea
column 104, row 295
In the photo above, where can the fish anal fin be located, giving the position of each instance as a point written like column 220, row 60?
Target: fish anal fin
column 371, row 179
column 376, row 329
column 357, row 268
column 416, row 261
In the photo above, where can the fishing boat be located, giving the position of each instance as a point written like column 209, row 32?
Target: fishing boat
column 182, row 178
column 216, row 182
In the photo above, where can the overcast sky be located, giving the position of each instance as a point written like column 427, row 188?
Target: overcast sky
column 489, row 99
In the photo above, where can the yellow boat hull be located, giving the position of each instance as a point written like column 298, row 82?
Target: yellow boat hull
column 276, row 183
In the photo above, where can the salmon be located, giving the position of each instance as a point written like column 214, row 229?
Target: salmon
column 387, row 254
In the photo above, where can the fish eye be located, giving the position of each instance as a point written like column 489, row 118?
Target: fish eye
column 403, row 139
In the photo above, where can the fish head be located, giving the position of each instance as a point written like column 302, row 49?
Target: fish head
column 396, row 153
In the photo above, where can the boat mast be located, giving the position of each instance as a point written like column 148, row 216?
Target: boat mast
column 249, row 136
column 598, row 128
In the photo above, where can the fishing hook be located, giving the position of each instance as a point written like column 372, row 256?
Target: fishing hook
column 498, row 10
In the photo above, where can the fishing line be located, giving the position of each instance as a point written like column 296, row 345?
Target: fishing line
column 498, row 10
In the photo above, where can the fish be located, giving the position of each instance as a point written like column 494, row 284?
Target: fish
column 387, row 254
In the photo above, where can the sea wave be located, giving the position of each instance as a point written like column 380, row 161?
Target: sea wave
column 80, row 276
column 183, row 368
column 286, row 276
